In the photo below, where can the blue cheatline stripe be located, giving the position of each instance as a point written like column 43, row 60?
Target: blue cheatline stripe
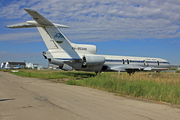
column 110, row 60
column 67, row 59
column 133, row 61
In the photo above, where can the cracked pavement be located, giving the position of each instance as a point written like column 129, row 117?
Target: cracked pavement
column 24, row 98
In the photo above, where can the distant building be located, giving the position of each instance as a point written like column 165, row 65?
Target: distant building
column 54, row 67
column 30, row 65
column 175, row 66
column 34, row 66
column 14, row 64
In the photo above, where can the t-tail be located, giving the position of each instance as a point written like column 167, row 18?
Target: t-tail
column 2, row 65
column 52, row 36
column 7, row 65
column 61, row 51
column 68, row 55
column 19, row 65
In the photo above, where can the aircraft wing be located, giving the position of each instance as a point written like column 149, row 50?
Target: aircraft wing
column 154, row 69
column 135, row 68
column 126, row 68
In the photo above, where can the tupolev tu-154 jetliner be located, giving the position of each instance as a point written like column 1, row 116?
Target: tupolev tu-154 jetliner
column 68, row 55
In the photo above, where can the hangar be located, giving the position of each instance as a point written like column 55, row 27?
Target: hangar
column 14, row 64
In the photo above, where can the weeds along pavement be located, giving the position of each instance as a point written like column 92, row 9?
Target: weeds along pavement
column 153, row 86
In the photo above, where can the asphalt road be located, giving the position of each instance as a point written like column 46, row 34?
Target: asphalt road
column 24, row 98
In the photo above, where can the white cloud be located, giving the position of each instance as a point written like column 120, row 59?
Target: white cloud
column 102, row 20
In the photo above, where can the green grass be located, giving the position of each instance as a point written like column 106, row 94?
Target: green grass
column 177, row 71
column 160, row 87
column 53, row 74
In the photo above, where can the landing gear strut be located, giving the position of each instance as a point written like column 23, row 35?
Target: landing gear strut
column 132, row 72
column 129, row 73
column 97, row 72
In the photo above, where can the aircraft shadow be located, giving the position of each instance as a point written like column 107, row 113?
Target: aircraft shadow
column 6, row 99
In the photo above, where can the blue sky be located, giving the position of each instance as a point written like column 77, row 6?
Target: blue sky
column 147, row 28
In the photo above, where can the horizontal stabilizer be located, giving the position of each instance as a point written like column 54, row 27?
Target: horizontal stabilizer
column 21, row 25
column 40, row 21
column 38, row 17
column 33, row 24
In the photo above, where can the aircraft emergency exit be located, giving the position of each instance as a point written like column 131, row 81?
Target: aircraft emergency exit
column 68, row 55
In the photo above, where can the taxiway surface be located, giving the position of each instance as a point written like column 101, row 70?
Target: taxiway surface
column 24, row 98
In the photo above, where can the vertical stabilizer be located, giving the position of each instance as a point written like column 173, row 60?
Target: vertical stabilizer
column 51, row 34
column 50, row 43
column 2, row 65
column 7, row 65
column 54, row 38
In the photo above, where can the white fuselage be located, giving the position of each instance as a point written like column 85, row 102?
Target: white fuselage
column 111, row 62
column 68, row 55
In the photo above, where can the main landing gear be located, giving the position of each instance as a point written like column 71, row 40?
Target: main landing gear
column 97, row 72
column 132, row 72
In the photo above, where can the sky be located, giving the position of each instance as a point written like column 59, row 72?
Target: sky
column 143, row 28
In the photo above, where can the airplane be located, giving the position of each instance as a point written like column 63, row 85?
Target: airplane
column 2, row 65
column 69, row 56
column 17, row 67
column 7, row 66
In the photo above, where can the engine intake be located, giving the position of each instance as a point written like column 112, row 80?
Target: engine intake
column 93, row 60
column 56, row 62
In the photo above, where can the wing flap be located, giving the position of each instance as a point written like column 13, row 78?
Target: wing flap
column 117, row 68
column 145, row 69
column 126, row 68
column 135, row 68
column 159, row 69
